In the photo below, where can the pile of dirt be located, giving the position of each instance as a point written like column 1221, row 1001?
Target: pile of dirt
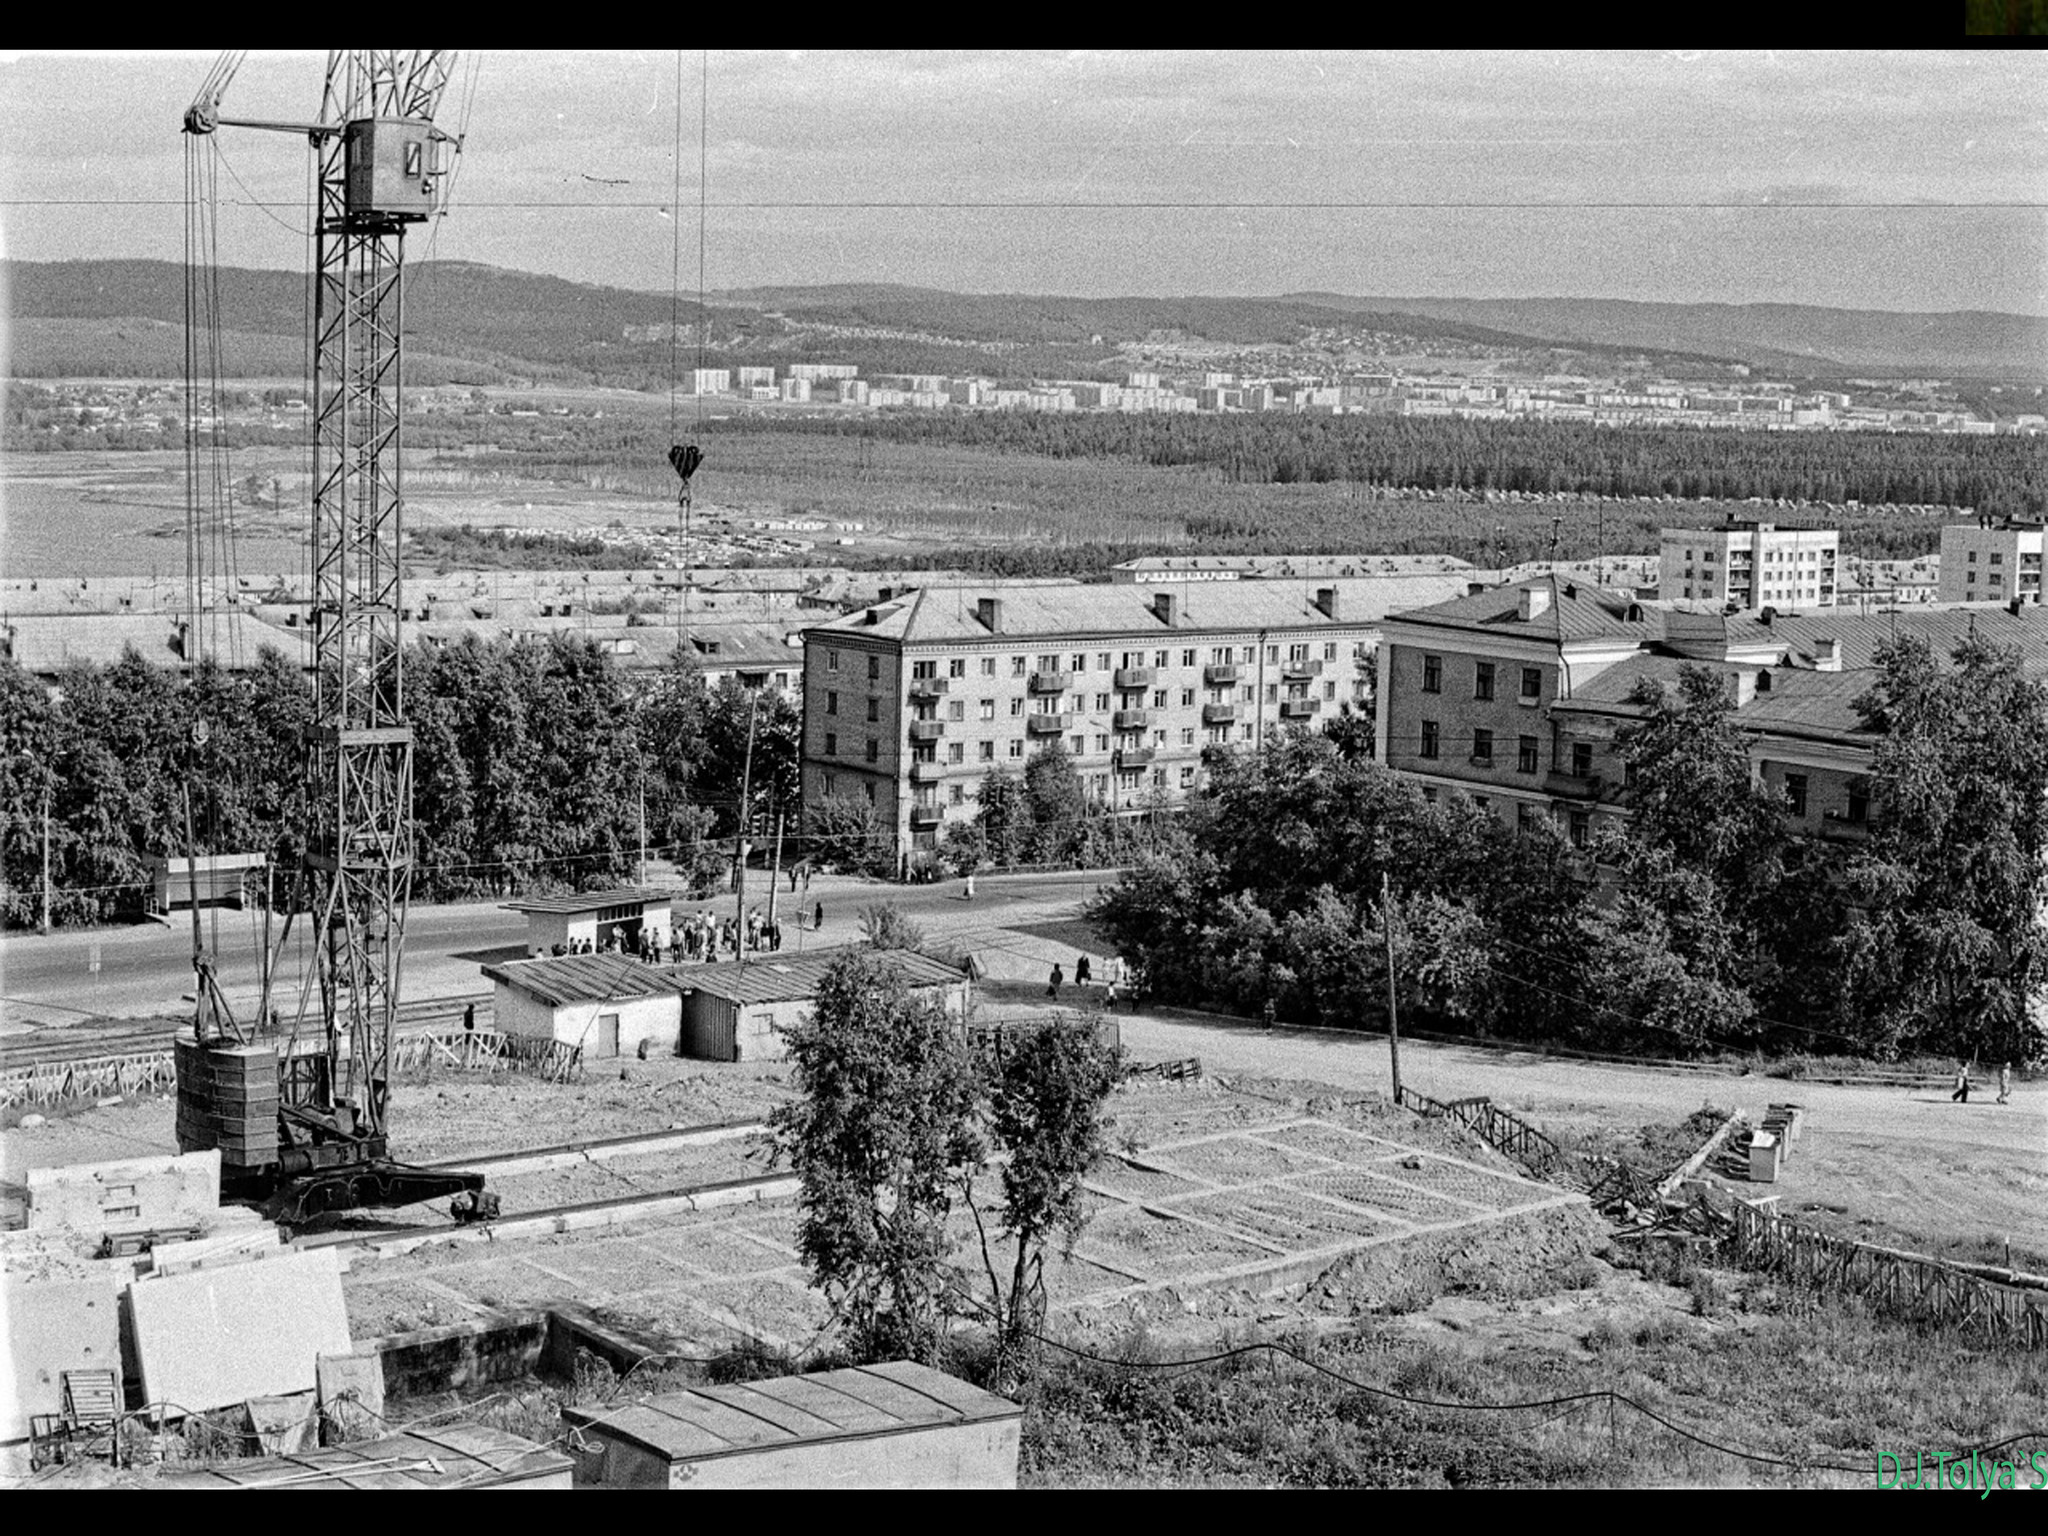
column 1527, row 1255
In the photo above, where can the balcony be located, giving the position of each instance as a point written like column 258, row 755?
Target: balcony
column 1131, row 719
column 1300, row 671
column 1135, row 757
column 1572, row 786
column 1839, row 827
column 1217, row 676
column 1047, row 725
column 927, row 815
column 1299, row 709
column 927, row 730
column 1134, row 677
column 929, row 687
column 926, row 772
column 1219, row 714
column 1051, row 682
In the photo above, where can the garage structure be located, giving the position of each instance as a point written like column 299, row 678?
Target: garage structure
column 589, row 919
column 608, row 1004
column 738, row 1012
column 898, row 1425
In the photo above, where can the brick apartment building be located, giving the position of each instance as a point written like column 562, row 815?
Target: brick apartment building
column 1751, row 565
column 1514, row 695
column 912, row 701
column 1992, row 560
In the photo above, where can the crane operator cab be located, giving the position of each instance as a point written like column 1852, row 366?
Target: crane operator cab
column 394, row 165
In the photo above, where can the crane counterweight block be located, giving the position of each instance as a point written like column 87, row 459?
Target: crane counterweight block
column 686, row 457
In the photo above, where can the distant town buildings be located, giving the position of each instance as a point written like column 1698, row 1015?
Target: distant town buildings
column 1751, row 565
column 1991, row 561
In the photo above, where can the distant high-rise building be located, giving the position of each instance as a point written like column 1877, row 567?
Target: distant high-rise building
column 1751, row 565
column 1991, row 561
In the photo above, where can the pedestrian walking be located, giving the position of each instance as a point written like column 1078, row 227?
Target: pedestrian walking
column 1081, row 972
column 1052, row 988
column 792, row 879
column 469, row 1018
column 1271, row 1013
column 1962, row 1093
column 970, row 885
column 818, row 917
column 2004, row 1082
column 775, row 936
column 1109, row 996
column 807, row 879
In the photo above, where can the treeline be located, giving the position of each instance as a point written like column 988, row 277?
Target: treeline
column 1703, row 926
column 1992, row 474
column 532, row 763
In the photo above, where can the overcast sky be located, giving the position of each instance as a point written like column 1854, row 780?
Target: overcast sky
column 1908, row 181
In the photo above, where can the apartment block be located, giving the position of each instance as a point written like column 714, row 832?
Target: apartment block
column 1751, row 565
column 753, row 378
column 711, row 381
column 911, row 702
column 1991, row 561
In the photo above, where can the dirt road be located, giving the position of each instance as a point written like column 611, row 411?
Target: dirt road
column 1897, row 1166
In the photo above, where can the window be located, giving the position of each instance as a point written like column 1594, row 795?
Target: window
column 1297, row 652
column 1482, row 747
column 1997, row 558
column 1016, row 707
column 1048, row 663
column 1525, row 816
column 1483, row 803
column 1482, row 680
column 874, row 669
column 1187, row 735
column 988, row 709
column 1244, row 732
column 1330, row 651
column 1973, row 557
column 874, row 709
column 987, row 752
column 1329, row 690
column 956, row 794
column 919, row 670
column 1582, row 824
column 1582, row 760
column 1429, row 738
column 1080, row 664
column 1859, row 805
column 1159, row 738
column 1101, row 701
column 988, row 666
column 956, row 751
column 1187, row 658
column 1272, row 655
column 874, row 751
column 957, row 667
column 831, row 702
column 1017, row 667
column 1161, row 658
column 1248, row 693
column 1429, row 793
column 831, row 744
column 1219, row 655
column 1102, row 741
column 956, row 709
column 1078, row 744
column 1102, row 662
column 1016, row 749
column 1187, row 775
column 1187, row 697
column 1250, row 655
column 1272, row 693
column 1532, row 682
column 831, row 661
column 1432, row 674
column 1525, row 754
column 831, row 782
column 1795, row 792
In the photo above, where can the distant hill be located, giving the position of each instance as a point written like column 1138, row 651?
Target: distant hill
column 1970, row 343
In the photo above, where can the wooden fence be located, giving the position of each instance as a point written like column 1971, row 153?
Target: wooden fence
column 1907, row 1285
column 1505, row 1132
column 155, row 1071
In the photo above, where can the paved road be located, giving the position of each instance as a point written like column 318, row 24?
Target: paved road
column 47, row 982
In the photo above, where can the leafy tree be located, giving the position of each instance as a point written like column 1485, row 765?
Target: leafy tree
column 1948, row 941
column 1058, row 806
column 846, row 831
column 965, row 848
column 1352, row 732
column 1045, row 1092
column 1004, row 817
column 878, row 1138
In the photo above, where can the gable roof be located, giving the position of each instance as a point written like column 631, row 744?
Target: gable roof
column 584, row 978
column 1579, row 611
column 588, row 901
column 780, row 978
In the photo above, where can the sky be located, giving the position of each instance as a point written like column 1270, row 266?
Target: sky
column 1900, row 181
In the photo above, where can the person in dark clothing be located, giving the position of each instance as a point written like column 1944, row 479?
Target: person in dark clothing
column 818, row 917
column 469, row 1017
column 1053, row 986
column 1962, row 1093
column 1081, row 972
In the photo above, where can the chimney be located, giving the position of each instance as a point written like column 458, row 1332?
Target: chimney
column 1766, row 616
column 1571, row 591
column 1162, row 605
column 1474, row 588
column 1742, row 687
column 2013, row 607
column 1535, row 602
column 990, row 611
column 1827, row 655
column 884, row 594
column 1326, row 600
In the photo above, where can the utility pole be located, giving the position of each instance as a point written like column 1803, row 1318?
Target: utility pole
column 739, row 883
column 643, row 827
column 775, row 870
column 1393, row 1020
column 46, row 856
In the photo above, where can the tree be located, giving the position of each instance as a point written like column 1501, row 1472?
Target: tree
column 1045, row 1092
column 1352, row 732
column 1948, row 941
column 884, row 926
column 846, row 831
column 1004, row 817
column 1052, row 789
column 879, row 1137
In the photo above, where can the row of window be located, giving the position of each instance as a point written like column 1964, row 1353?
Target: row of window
column 1482, row 678
column 1527, row 751
column 1579, row 823
column 957, row 794
column 1054, row 704
column 1105, row 661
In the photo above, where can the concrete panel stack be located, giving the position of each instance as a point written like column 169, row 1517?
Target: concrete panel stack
column 227, row 1100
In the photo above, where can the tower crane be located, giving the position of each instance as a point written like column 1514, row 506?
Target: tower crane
column 318, row 1139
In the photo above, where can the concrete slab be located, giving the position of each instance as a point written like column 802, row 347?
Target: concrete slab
column 236, row 1247
column 351, row 1396
column 214, row 1338
column 93, row 1198
column 49, row 1327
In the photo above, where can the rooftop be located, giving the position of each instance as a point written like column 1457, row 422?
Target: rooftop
column 589, row 901
column 584, row 978
column 1578, row 611
column 792, row 978
column 853, row 1404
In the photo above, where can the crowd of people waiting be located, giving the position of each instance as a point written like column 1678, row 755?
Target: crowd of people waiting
column 699, row 937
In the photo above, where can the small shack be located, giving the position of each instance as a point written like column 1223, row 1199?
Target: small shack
column 898, row 1425
column 737, row 1012
column 443, row 1456
column 594, row 918
column 235, row 878
column 608, row 1004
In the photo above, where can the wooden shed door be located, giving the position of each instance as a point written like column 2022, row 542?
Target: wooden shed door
column 607, row 1034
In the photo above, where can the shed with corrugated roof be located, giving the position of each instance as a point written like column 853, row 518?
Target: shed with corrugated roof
column 739, row 1012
